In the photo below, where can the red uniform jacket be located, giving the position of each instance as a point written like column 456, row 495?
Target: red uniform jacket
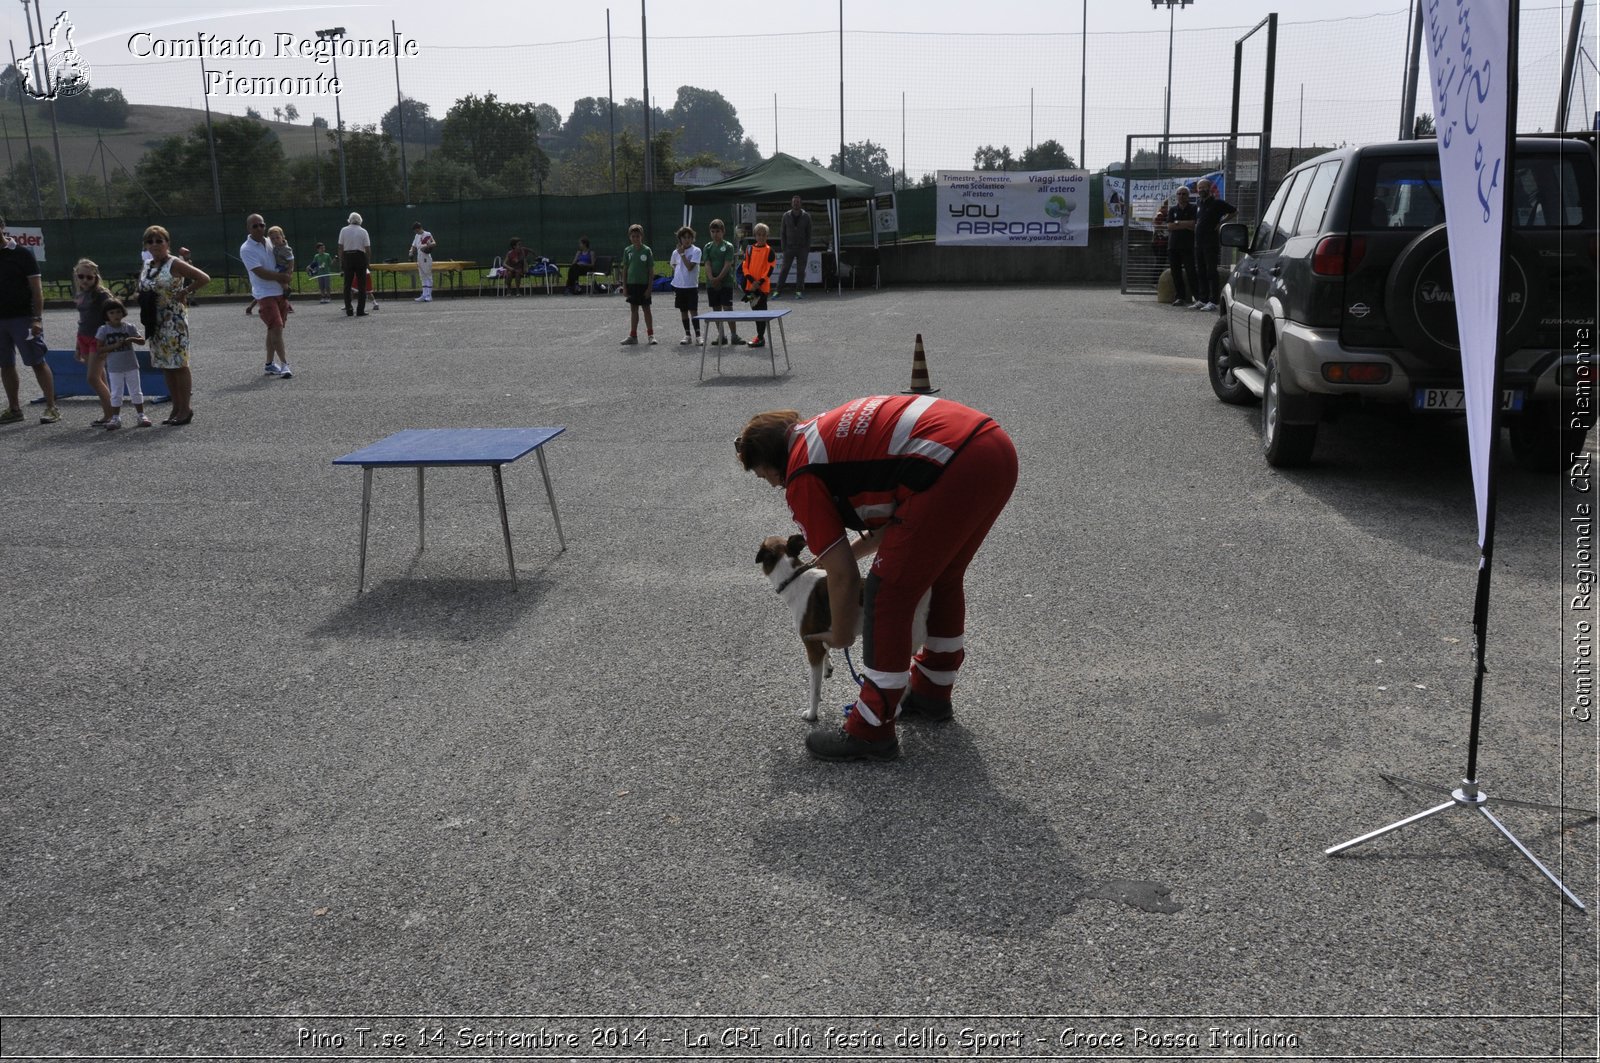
column 853, row 466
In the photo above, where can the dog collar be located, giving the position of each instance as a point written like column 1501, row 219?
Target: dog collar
column 796, row 574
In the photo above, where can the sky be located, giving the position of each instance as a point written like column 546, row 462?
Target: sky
column 471, row 21
column 929, row 80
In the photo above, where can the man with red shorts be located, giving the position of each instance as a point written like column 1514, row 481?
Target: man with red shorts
column 924, row 478
column 269, row 285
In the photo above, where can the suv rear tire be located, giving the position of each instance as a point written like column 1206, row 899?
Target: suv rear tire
column 1219, row 367
column 1286, row 446
column 1542, row 444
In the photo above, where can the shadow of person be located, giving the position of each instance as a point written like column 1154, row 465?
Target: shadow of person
column 928, row 839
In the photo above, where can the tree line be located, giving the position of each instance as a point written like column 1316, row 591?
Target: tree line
column 483, row 147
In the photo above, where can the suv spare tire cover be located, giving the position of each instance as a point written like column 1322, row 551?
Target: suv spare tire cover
column 1420, row 298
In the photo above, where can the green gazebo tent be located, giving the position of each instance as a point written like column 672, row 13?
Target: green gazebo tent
column 781, row 177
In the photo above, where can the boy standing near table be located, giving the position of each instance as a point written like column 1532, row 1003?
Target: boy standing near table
column 758, row 279
column 638, row 270
column 720, row 257
column 686, row 284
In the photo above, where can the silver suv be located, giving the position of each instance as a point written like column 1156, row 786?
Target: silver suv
column 1344, row 297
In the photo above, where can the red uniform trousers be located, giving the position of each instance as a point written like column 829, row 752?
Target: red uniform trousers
column 929, row 544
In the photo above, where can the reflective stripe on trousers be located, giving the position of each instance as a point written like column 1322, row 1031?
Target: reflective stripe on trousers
column 929, row 545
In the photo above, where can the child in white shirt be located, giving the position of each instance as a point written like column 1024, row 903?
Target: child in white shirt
column 686, row 283
column 116, row 339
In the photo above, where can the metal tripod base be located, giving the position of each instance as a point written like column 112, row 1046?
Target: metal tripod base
column 1467, row 795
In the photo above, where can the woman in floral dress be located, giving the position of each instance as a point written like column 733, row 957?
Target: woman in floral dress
column 170, row 280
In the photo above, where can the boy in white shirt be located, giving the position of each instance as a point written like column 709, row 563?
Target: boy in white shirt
column 686, row 283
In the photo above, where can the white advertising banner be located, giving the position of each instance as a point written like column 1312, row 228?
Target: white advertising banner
column 885, row 215
column 1044, row 208
column 1136, row 206
column 32, row 239
column 1467, row 57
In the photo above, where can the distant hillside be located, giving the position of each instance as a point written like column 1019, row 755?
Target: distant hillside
column 147, row 126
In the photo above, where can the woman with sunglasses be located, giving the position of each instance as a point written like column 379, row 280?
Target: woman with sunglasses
column 90, row 296
column 169, row 281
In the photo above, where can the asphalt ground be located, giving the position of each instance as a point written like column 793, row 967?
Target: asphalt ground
column 234, row 787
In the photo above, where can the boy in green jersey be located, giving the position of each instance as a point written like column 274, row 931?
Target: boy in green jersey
column 638, row 270
column 720, row 258
column 321, row 268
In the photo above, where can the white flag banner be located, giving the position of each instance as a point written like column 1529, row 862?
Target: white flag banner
column 1467, row 57
column 1044, row 208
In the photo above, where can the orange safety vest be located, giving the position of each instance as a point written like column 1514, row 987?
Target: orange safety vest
column 758, row 268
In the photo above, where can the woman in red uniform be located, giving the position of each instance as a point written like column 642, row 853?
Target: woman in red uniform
column 924, row 478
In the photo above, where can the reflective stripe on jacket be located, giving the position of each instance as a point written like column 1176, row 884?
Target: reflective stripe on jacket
column 875, row 452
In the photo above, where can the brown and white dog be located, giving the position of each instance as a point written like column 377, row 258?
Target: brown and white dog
column 805, row 589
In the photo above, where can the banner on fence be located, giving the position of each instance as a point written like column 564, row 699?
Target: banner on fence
column 885, row 215
column 31, row 238
column 1137, row 206
column 1043, row 208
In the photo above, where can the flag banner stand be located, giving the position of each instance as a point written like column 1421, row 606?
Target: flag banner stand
column 1471, row 106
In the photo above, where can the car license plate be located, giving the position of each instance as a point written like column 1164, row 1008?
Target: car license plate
column 1450, row 400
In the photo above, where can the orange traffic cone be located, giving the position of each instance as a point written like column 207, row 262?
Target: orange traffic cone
column 920, row 385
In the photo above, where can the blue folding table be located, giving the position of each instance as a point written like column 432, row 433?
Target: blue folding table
column 420, row 448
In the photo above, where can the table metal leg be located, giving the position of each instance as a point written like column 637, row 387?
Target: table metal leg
column 422, row 529
column 505, row 525
column 550, row 493
column 366, row 508
column 705, row 338
column 785, row 337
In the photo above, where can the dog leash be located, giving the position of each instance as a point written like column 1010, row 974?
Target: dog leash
column 852, row 666
column 849, row 663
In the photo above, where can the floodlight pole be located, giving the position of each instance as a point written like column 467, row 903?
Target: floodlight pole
column 338, row 115
column 50, row 94
column 1408, row 92
column 649, row 160
column 316, row 159
column 1568, row 63
column 211, row 137
column 611, row 106
column 33, row 166
column 1083, row 90
column 1166, row 128
column 105, row 172
column 1264, row 172
column 400, row 114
